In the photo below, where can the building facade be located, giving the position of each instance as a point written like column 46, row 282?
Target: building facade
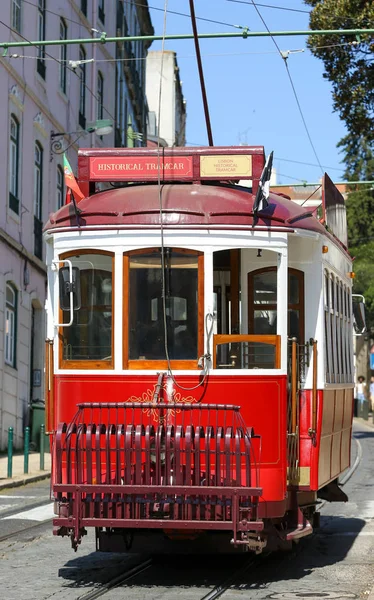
column 172, row 125
column 45, row 92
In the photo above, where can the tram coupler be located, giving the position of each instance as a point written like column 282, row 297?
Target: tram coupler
column 251, row 542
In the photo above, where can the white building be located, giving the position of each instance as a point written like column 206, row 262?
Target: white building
column 172, row 126
column 42, row 92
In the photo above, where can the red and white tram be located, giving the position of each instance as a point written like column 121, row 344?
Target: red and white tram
column 199, row 354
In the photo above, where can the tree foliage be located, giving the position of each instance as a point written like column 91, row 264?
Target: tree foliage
column 359, row 162
column 349, row 66
column 348, row 61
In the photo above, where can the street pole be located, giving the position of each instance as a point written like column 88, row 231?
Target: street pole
column 10, row 452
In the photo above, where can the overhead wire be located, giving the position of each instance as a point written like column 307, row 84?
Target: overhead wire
column 180, row 14
column 130, row 2
column 48, row 10
column 284, row 58
column 312, row 194
column 59, row 62
column 180, row 56
column 296, row 10
column 159, row 187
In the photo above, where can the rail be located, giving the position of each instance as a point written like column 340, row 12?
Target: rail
column 246, row 351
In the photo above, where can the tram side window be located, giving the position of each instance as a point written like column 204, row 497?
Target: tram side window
column 149, row 313
column 90, row 337
column 338, row 330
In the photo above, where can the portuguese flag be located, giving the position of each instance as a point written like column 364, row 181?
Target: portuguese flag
column 71, row 183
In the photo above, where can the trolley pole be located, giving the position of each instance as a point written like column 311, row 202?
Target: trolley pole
column 26, row 450
column 42, row 439
column 10, row 452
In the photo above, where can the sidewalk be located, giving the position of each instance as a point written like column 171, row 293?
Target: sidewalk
column 18, row 475
column 368, row 423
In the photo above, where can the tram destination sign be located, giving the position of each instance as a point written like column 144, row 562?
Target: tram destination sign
column 173, row 164
column 141, row 168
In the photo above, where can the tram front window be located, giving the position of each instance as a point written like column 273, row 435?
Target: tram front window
column 89, row 338
column 148, row 312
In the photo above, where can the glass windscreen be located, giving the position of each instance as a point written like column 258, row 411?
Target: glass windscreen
column 90, row 335
column 146, row 306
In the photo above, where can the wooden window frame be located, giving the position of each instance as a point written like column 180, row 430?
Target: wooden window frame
column 163, row 364
column 300, row 306
column 88, row 364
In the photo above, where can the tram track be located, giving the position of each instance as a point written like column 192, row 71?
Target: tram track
column 145, row 565
column 117, row 581
column 219, row 590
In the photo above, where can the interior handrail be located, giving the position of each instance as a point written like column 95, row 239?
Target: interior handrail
column 226, row 338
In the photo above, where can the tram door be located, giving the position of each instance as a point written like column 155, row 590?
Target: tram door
column 262, row 302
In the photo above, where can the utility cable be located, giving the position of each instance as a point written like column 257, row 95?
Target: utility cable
column 312, row 194
column 59, row 62
column 284, row 58
column 180, row 56
column 180, row 14
column 159, row 186
column 48, row 10
column 296, row 10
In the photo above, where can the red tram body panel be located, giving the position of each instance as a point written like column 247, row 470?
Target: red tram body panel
column 199, row 353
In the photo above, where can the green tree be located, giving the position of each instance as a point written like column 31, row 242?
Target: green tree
column 348, row 62
column 349, row 66
column 359, row 163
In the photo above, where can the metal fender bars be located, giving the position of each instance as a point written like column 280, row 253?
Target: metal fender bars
column 171, row 466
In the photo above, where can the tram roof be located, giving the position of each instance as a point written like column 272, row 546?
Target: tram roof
column 183, row 204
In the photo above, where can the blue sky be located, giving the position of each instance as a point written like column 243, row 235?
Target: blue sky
column 249, row 93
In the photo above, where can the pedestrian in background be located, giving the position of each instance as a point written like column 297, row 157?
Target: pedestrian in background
column 360, row 391
column 372, row 393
